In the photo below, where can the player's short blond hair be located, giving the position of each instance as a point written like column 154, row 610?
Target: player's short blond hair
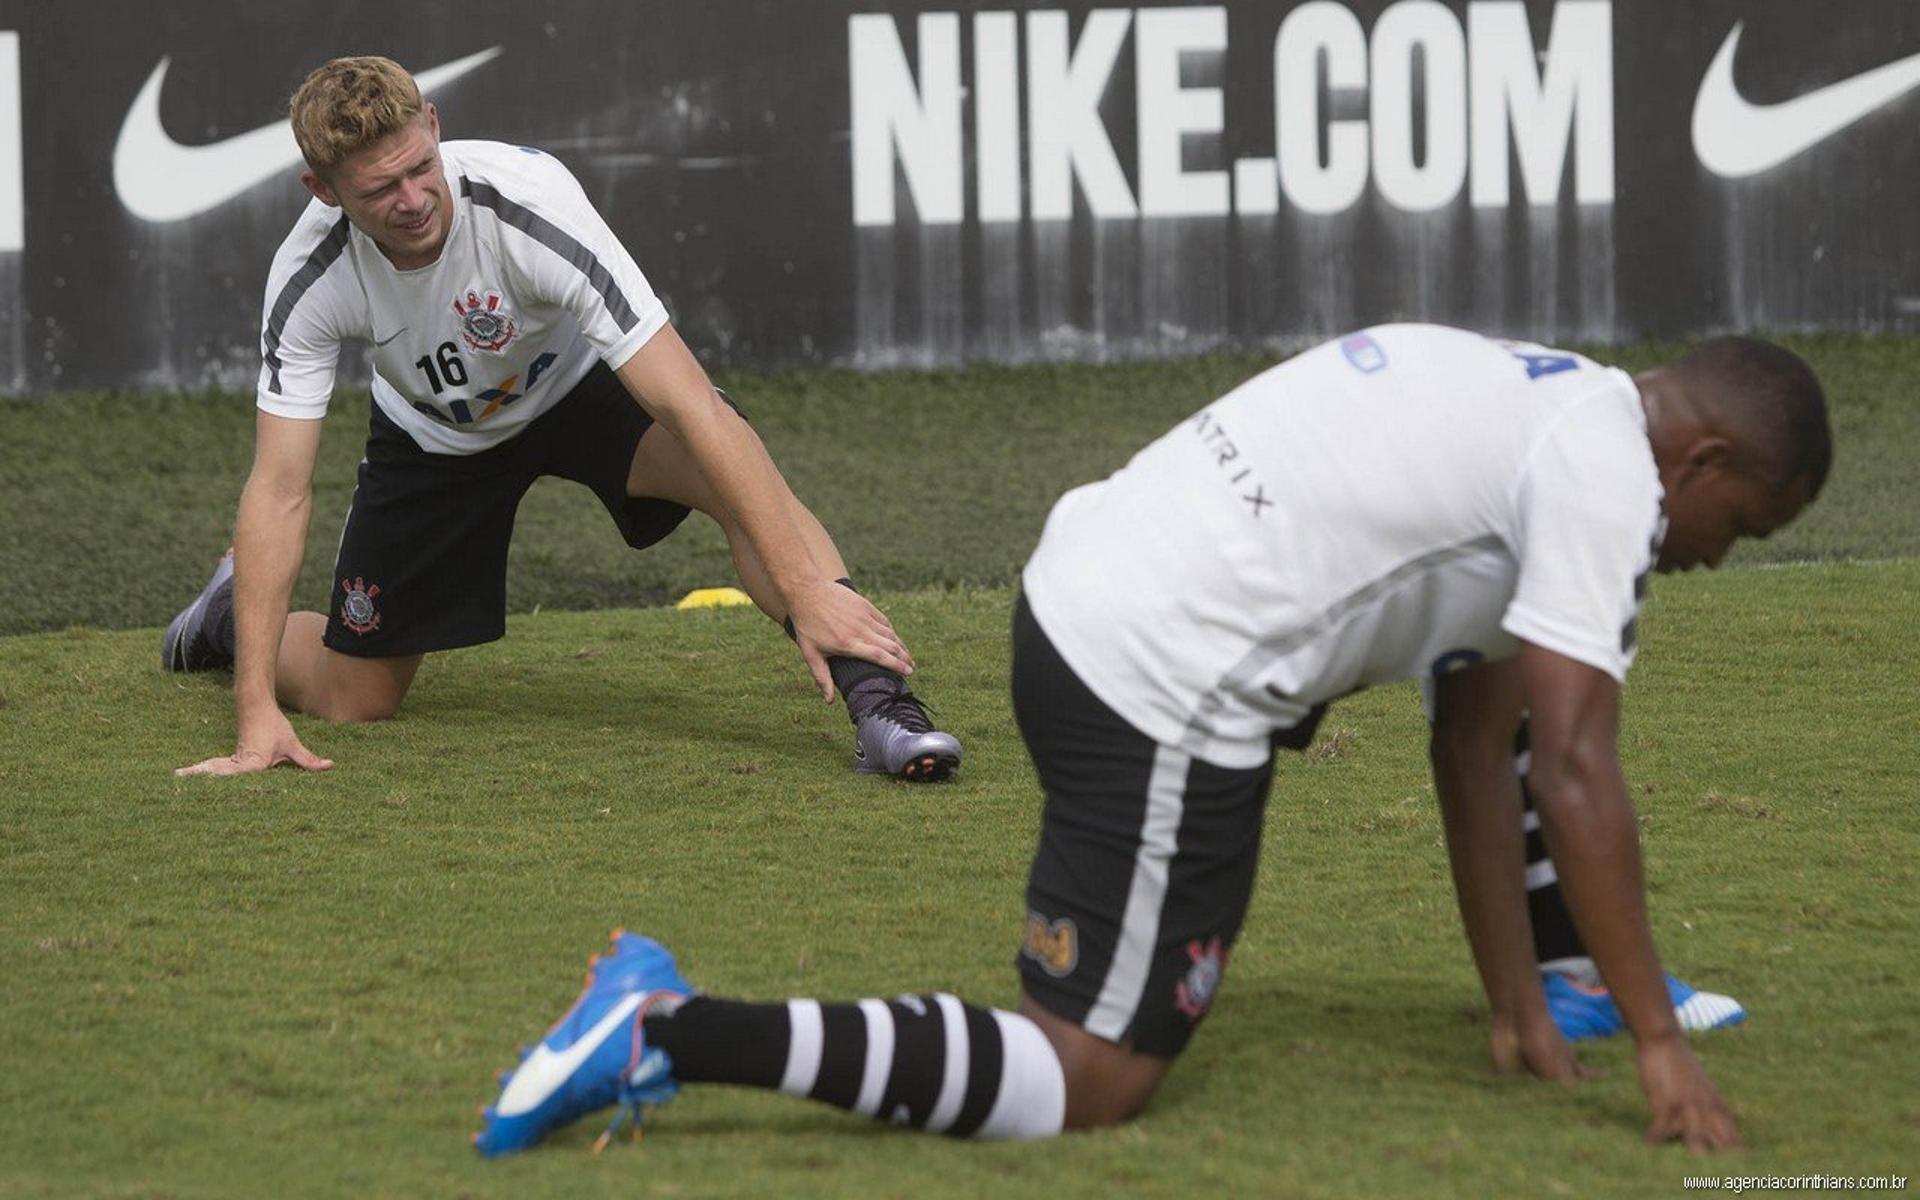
column 349, row 104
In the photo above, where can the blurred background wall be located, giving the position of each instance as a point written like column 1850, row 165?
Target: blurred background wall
column 885, row 185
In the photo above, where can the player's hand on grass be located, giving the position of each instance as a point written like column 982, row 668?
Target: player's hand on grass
column 832, row 620
column 1686, row 1108
column 1535, row 1046
column 265, row 742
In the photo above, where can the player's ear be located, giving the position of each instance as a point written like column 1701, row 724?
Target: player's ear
column 433, row 120
column 318, row 186
column 1705, row 457
column 1710, row 452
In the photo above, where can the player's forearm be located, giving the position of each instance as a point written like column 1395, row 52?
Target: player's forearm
column 269, row 543
column 1587, row 819
column 664, row 376
column 1480, row 809
column 741, row 471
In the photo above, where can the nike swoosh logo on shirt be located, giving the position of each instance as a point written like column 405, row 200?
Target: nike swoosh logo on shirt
column 1735, row 139
column 381, row 341
column 159, row 179
column 545, row 1070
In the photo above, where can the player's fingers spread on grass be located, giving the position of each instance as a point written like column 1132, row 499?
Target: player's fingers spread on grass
column 292, row 751
column 206, row 766
column 1713, row 1128
column 246, row 762
column 1503, row 1044
column 307, row 760
column 1711, row 1131
column 1548, row 1054
column 239, row 763
column 1666, row 1126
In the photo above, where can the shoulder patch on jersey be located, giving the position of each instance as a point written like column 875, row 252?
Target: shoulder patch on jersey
column 1363, row 352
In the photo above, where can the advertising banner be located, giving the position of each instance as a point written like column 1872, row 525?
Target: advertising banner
column 939, row 183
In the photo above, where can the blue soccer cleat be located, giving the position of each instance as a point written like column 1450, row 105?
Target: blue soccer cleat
column 1698, row 1011
column 595, row 1055
column 193, row 639
column 1585, row 1011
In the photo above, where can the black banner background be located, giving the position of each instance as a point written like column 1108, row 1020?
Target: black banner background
column 715, row 137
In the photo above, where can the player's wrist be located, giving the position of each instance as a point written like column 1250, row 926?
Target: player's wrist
column 1664, row 1038
column 253, row 700
column 801, row 587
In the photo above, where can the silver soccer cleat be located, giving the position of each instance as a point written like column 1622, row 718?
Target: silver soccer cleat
column 192, row 640
column 894, row 737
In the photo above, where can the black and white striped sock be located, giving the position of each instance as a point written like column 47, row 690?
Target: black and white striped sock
column 931, row 1062
column 1556, row 943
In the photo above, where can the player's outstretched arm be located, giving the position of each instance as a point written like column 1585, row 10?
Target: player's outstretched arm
column 270, row 538
column 828, row 619
column 1476, row 714
column 1587, row 819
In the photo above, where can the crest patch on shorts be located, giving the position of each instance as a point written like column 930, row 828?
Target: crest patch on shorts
column 1197, row 988
column 358, row 611
column 485, row 322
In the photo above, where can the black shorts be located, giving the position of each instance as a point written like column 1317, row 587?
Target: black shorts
column 1145, row 865
column 423, row 559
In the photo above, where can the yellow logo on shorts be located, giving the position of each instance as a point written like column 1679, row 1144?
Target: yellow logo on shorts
column 1055, row 945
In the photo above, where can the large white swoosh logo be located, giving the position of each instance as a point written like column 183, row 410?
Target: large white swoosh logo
column 161, row 180
column 1736, row 139
column 544, row 1070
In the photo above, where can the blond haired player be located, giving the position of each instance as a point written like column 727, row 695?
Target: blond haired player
column 513, row 337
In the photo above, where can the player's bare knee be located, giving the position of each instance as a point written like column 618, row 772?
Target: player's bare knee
column 1106, row 1083
column 355, row 709
column 361, row 691
column 1096, row 1099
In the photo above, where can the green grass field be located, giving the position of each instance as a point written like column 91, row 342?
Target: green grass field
column 116, row 507
column 302, row 985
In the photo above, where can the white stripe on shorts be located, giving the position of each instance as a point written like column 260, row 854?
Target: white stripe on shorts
column 804, row 1041
column 1126, row 980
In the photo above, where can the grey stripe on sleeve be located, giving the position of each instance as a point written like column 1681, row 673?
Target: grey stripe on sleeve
column 560, row 242
column 323, row 256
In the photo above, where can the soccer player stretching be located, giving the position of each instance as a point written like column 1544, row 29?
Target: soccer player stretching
column 1405, row 502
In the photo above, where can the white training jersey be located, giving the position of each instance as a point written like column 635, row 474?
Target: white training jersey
column 530, row 286
column 1394, row 504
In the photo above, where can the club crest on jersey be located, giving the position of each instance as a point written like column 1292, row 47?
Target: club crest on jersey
column 357, row 611
column 1055, row 945
column 485, row 323
column 1196, row 989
